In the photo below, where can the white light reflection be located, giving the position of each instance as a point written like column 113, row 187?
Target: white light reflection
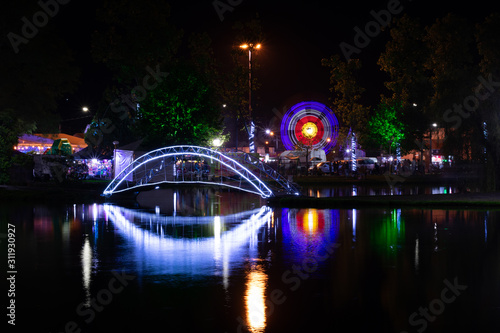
column 175, row 203
column 218, row 255
column 217, row 228
column 311, row 222
column 255, row 300
column 198, row 256
column 86, row 259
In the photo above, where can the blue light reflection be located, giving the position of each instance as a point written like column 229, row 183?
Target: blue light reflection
column 307, row 232
column 231, row 238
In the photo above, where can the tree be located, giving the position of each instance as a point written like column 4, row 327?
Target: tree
column 38, row 75
column 347, row 98
column 453, row 75
column 403, row 60
column 181, row 110
column 138, row 45
column 203, row 60
column 450, row 62
column 432, row 72
column 10, row 128
column 134, row 35
column 488, row 42
column 385, row 126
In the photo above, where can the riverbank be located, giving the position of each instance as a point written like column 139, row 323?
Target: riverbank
column 460, row 200
column 50, row 192
column 440, row 180
column 90, row 191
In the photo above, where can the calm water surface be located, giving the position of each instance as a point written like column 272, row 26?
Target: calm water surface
column 204, row 261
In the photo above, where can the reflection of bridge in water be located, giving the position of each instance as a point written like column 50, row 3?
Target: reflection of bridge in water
column 168, row 245
column 191, row 164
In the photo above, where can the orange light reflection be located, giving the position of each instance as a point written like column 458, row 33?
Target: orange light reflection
column 255, row 300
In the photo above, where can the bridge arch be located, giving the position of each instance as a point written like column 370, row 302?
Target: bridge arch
column 235, row 171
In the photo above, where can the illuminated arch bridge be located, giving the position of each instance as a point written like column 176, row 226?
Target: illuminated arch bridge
column 192, row 164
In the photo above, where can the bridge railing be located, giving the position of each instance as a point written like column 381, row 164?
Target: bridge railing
column 266, row 170
column 167, row 165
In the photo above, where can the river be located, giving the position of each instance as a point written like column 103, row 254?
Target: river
column 217, row 261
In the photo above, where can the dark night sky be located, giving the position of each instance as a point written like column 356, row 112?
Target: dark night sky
column 298, row 34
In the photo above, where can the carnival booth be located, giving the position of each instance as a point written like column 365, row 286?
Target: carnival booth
column 98, row 166
column 44, row 143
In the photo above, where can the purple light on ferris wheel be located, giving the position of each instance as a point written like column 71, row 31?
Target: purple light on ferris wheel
column 320, row 115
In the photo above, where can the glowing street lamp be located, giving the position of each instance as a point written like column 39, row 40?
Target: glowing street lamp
column 250, row 46
column 217, row 143
column 434, row 125
column 271, row 133
column 85, row 109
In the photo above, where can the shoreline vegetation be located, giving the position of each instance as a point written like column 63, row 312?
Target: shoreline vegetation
column 89, row 191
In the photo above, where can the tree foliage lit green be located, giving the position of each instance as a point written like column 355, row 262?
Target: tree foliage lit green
column 409, row 81
column 181, row 110
column 385, row 126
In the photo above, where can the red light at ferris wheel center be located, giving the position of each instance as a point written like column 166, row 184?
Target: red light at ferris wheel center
column 311, row 124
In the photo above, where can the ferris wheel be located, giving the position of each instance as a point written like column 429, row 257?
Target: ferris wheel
column 310, row 124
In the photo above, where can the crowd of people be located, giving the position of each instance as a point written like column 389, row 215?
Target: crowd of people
column 196, row 169
column 343, row 168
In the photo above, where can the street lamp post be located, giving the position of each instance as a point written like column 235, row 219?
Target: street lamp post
column 434, row 125
column 251, row 135
column 271, row 134
column 275, row 142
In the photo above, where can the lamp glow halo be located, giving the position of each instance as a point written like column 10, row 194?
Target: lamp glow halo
column 311, row 124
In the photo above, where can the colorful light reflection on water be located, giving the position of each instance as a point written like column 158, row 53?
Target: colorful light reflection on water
column 307, row 231
column 389, row 235
column 220, row 268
